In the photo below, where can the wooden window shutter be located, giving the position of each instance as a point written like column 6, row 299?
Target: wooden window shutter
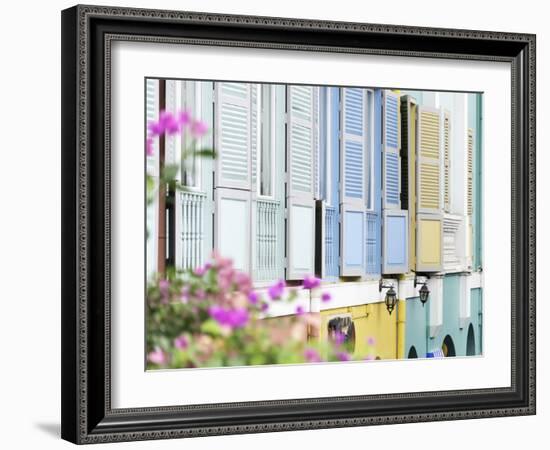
column 395, row 229
column 428, row 169
column 447, row 162
column 470, row 169
column 352, row 167
column 392, row 145
column 233, row 129
column 233, row 135
column 300, row 182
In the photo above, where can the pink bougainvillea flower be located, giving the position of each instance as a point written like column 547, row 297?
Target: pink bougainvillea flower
column 312, row 355
column 253, row 297
column 326, row 297
column 264, row 307
column 164, row 287
column 311, row 282
column 155, row 128
column 149, row 147
column 339, row 338
column 369, row 358
column 200, row 294
column 343, row 356
column 299, row 310
column 184, row 118
column 157, row 356
column 232, row 318
column 275, row 291
column 244, row 284
column 198, row 129
column 371, row 341
column 199, row 271
column 184, row 294
column 181, row 342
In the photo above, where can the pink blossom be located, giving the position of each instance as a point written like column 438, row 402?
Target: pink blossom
column 311, row 355
column 164, row 287
column 198, row 129
column 326, row 297
column 299, row 310
column 343, row 356
column 199, row 271
column 339, row 337
column 157, row 356
column 275, row 291
column 371, row 341
column 184, row 294
column 253, row 297
column 243, row 281
column 184, row 118
column 200, row 294
column 369, row 358
column 181, row 342
column 232, row 318
column 311, row 282
column 264, row 307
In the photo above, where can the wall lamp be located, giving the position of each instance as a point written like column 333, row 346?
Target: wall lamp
column 391, row 296
column 424, row 291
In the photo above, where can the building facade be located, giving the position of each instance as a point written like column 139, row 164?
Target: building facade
column 353, row 185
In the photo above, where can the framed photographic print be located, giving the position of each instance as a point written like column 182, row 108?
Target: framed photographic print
column 281, row 224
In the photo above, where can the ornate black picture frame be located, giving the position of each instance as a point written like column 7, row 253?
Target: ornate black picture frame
column 87, row 35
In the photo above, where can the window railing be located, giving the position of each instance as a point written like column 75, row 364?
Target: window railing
column 267, row 239
column 331, row 242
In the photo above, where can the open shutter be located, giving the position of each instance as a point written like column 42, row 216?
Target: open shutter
column 233, row 180
column 446, row 162
column 300, row 187
column 428, row 170
column 470, row 199
column 352, row 166
column 408, row 170
column 429, row 226
column 151, row 115
column 395, row 228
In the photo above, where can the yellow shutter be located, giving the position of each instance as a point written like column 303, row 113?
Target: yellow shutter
column 428, row 157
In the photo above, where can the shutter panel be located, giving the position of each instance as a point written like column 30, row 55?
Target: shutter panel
column 233, row 135
column 395, row 252
column 429, row 249
column 392, row 144
column 428, row 170
column 446, row 162
column 353, row 155
column 408, row 170
column 470, row 169
column 152, row 115
column 300, row 183
column 233, row 166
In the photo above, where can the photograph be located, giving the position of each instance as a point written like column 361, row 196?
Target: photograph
column 298, row 224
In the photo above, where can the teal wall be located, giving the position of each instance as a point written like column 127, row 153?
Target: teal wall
column 416, row 328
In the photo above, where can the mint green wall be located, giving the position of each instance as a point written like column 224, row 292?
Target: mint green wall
column 477, row 318
column 475, row 121
column 416, row 327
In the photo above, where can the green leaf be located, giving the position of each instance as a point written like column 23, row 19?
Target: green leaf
column 211, row 327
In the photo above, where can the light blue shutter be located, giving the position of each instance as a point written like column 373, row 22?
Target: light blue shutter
column 233, row 179
column 353, row 155
column 395, row 248
column 300, row 183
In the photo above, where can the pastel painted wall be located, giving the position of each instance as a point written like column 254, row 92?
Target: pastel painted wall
column 475, row 122
column 416, row 333
column 372, row 320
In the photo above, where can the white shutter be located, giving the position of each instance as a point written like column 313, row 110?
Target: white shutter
column 353, row 156
column 233, row 135
column 446, row 161
column 233, row 179
column 151, row 115
column 300, row 182
column 470, row 173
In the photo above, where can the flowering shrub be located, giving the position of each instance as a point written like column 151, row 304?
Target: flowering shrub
column 212, row 316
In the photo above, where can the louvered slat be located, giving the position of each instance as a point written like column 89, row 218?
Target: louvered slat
column 391, row 173
column 447, row 162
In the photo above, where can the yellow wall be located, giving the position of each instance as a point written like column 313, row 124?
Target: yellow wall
column 372, row 320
